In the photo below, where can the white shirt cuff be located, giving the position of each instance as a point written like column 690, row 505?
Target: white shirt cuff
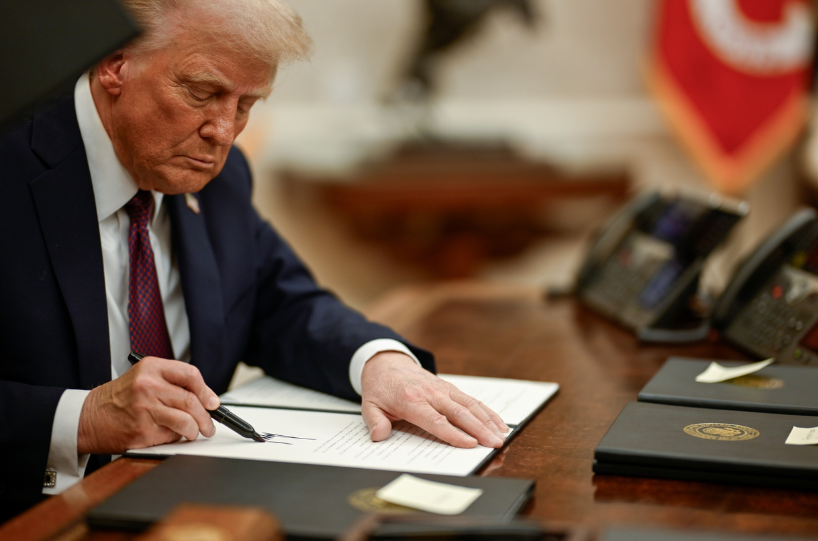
column 369, row 350
column 62, row 454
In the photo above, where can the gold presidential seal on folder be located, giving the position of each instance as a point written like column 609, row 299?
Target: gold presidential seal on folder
column 366, row 500
column 757, row 381
column 721, row 431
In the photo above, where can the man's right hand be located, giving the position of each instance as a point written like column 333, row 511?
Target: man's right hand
column 156, row 401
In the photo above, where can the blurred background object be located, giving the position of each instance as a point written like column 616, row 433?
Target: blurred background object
column 441, row 139
column 733, row 79
column 519, row 118
column 446, row 207
column 565, row 97
column 446, row 204
column 46, row 44
column 327, row 136
column 449, row 22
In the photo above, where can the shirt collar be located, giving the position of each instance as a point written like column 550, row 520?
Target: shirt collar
column 112, row 183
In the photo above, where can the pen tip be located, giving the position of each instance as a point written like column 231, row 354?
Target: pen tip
column 257, row 437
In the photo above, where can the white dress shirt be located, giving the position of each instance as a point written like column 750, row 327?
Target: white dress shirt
column 113, row 188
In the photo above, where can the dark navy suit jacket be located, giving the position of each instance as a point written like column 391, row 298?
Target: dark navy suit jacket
column 247, row 295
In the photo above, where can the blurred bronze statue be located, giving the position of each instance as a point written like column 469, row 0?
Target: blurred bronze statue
column 442, row 201
column 449, row 23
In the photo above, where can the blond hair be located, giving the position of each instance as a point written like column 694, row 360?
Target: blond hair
column 269, row 30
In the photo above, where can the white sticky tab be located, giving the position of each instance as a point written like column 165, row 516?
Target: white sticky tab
column 716, row 373
column 440, row 498
column 803, row 436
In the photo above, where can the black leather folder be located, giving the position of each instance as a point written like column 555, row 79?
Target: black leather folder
column 311, row 502
column 698, row 444
column 643, row 534
column 776, row 388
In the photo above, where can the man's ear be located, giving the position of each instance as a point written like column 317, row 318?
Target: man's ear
column 110, row 74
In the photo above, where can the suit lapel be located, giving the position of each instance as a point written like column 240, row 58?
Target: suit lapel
column 201, row 284
column 64, row 199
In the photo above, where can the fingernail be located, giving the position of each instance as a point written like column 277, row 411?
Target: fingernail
column 213, row 403
column 497, row 442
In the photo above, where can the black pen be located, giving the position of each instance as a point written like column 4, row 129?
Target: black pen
column 221, row 414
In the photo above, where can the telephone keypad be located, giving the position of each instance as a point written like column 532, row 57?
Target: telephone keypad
column 621, row 281
column 774, row 322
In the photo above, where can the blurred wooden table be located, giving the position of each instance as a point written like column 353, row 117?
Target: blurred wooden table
column 447, row 207
column 509, row 331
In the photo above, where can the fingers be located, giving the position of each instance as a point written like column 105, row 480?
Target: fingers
column 423, row 415
column 396, row 389
column 176, row 421
column 434, row 422
column 180, row 386
column 496, row 419
column 189, row 417
column 156, row 436
column 154, row 402
column 469, row 417
column 188, row 377
column 485, row 415
column 378, row 423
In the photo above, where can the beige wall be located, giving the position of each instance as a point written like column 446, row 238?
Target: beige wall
column 579, row 49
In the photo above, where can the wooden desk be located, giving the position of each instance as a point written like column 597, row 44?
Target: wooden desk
column 506, row 331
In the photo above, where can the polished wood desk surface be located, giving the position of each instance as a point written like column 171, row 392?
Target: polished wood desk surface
column 511, row 332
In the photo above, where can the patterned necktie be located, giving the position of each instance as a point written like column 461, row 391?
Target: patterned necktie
column 149, row 332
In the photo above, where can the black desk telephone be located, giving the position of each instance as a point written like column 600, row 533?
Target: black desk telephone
column 770, row 307
column 643, row 268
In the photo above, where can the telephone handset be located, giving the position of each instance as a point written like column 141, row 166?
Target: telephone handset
column 609, row 236
column 770, row 307
column 643, row 268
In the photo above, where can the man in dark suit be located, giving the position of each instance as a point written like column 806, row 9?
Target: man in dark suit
column 128, row 225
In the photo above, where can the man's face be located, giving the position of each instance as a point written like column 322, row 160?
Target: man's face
column 181, row 108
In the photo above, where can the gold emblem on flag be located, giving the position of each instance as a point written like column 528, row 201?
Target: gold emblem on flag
column 721, row 431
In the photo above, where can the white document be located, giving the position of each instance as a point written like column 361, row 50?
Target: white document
column 803, row 436
column 514, row 400
column 716, row 373
column 335, row 433
column 430, row 496
column 334, row 439
column 267, row 391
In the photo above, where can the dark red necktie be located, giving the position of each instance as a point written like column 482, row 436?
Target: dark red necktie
column 149, row 332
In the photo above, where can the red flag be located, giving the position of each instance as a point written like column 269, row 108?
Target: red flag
column 732, row 77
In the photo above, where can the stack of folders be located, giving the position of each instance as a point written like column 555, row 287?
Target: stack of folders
column 777, row 388
column 753, row 430
column 310, row 502
column 641, row 534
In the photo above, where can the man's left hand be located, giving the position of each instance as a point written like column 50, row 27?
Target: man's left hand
column 395, row 387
